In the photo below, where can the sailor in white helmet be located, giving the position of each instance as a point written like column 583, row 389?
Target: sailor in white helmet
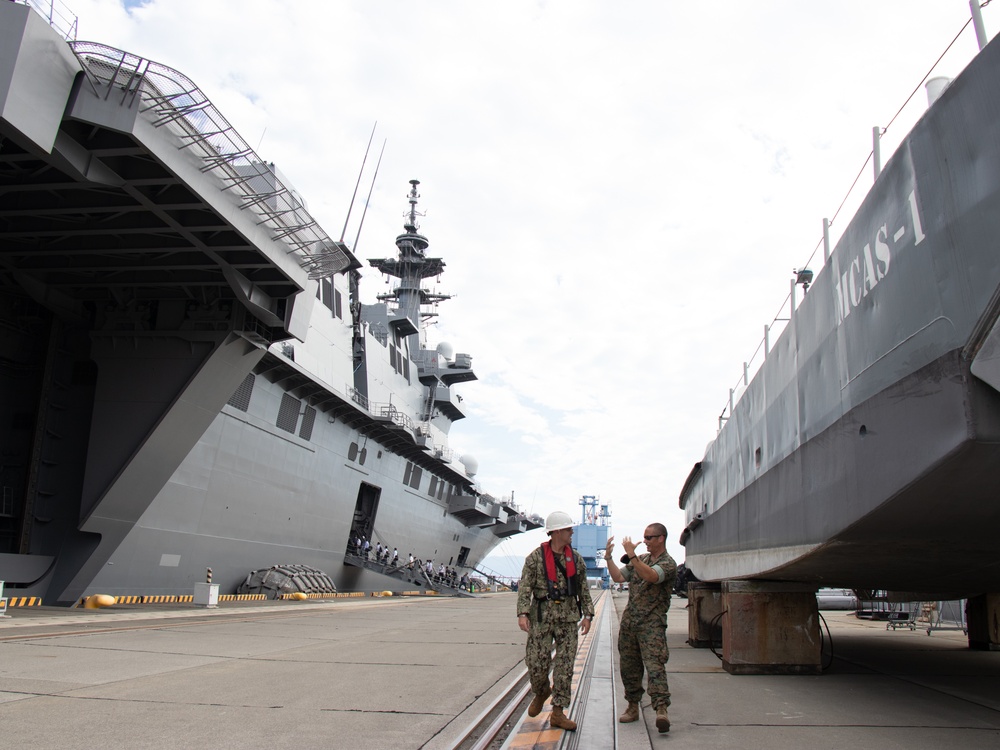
column 553, row 596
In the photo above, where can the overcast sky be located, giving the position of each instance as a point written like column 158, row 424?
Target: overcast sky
column 620, row 190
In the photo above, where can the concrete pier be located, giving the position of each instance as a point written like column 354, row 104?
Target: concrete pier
column 408, row 673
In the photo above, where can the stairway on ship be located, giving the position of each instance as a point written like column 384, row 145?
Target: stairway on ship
column 415, row 575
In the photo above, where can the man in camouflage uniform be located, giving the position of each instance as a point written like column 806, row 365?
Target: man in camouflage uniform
column 642, row 635
column 549, row 610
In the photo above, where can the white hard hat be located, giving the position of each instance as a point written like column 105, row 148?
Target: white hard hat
column 557, row 520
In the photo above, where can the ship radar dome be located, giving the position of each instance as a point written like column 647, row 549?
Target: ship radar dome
column 446, row 350
column 471, row 465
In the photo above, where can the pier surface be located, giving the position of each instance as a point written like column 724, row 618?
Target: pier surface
column 414, row 672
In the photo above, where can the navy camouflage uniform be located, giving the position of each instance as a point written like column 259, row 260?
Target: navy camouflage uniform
column 642, row 634
column 558, row 622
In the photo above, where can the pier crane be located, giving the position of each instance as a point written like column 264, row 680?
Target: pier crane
column 590, row 537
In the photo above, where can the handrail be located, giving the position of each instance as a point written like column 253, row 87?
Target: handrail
column 173, row 101
column 788, row 303
column 59, row 17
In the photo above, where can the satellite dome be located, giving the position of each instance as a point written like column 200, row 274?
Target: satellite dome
column 446, row 350
column 471, row 465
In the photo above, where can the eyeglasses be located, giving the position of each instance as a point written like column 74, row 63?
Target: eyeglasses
column 647, row 537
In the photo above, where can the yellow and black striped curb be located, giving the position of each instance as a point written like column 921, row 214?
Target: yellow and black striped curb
column 147, row 599
column 24, row 601
column 189, row 598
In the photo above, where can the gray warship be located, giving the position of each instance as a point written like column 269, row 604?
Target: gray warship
column 865, row 451
column 190, row 379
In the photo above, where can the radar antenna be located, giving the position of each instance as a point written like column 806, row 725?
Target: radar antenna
column 356, row 184
column 364, row 213
column 411, row 217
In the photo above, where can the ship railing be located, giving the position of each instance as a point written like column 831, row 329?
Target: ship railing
column 60, row 18
column 905, row 117
column 388, row 411
column 174, row 102
column 358, row 397
column 493, row 577
column 394, row 415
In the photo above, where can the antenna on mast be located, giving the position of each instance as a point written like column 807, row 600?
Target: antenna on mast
column 351, row 207
column 368, row 199
column 411, row 220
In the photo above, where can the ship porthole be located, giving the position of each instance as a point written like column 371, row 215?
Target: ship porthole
column 863, row 431
column 756, row 458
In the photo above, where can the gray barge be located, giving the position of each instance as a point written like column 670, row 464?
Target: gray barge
column 865, row 451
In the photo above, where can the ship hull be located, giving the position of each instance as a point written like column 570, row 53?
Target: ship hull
column 909, row 504
column 863, row 452
column 250, row 495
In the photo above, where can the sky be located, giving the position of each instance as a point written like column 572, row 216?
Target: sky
column 620, row 191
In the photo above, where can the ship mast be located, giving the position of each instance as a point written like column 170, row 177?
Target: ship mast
column 411, row 266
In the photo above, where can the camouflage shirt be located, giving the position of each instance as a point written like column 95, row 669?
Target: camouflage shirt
column 534, row 588
column 649, row 600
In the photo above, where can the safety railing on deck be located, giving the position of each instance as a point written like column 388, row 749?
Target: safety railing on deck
column 804, row 274
column 60, row 18
column 173, row 101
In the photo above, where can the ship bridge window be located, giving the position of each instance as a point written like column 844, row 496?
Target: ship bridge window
column 241, row 398
column 433, row 486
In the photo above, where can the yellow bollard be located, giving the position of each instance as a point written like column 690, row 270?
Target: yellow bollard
column 96, row 601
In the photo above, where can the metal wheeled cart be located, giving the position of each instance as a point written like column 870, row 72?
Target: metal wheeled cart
column 875, row 605
column 907, row 617
column 942, row 615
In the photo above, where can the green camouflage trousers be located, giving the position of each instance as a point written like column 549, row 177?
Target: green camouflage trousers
column 538, row 658
column 644, row 647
